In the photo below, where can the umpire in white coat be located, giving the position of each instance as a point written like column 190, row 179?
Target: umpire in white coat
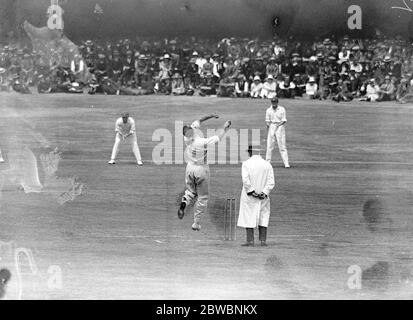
column 258, row 182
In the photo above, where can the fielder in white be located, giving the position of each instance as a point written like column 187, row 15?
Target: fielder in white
column 254, row 210
column 125, row 130
column 1, row 157
column 197, row 173
column 276, row 120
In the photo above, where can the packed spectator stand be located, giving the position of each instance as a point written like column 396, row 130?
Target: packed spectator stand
column 340, row 70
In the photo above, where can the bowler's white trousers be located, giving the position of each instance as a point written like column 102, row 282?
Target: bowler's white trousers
column 197, row 186
column 277, row 135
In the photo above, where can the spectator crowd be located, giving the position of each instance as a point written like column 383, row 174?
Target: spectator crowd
column 340, row 70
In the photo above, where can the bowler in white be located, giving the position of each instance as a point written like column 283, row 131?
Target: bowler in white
column 197, row 174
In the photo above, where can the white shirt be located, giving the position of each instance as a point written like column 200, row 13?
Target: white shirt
column 278, row 50
column 238, row 89
column 256, row 87
column 357, row 67
column 77, row 68
column 344, row 56
column 275, row 116
column 272, row 87
column 311, row 88
column 125, row 128
column 197, row 147
column 372, row 90
column 215, row 69
column 200, row 62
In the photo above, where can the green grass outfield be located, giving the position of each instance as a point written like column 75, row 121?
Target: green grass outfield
column 121, row 239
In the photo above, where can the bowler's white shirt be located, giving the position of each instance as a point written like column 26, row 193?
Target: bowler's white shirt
column 125, row 128
column 197, row 147
column 275, row 116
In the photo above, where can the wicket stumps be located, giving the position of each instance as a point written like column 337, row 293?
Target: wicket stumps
column 230, row 221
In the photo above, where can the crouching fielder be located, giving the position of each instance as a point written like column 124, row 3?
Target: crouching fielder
column 125, row 130
column 258, row 182
column 197, row 170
